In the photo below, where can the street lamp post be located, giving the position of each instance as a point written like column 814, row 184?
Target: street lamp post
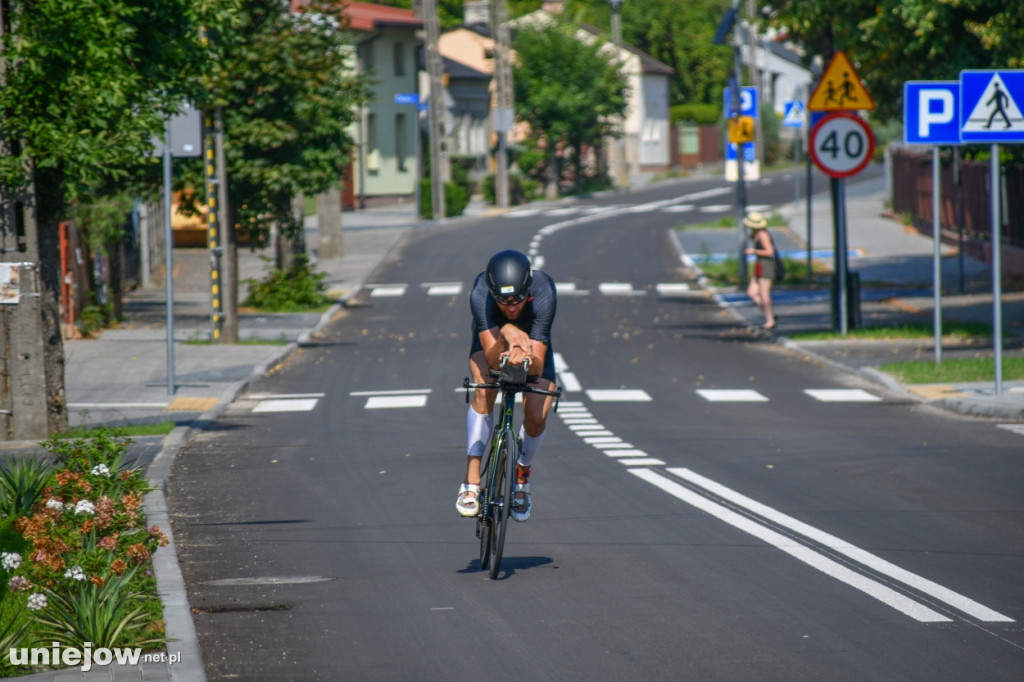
column 621, row 166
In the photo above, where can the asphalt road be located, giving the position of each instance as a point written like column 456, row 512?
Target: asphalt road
column 697, row 514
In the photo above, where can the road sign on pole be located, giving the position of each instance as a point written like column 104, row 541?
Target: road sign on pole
column 748, row 101
column 931, row 112
column 990, row 106
column 840, row 88
column 842, row 144
column 794, row 114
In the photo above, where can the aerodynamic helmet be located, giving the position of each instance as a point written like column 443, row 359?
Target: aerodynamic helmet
column 509, row 276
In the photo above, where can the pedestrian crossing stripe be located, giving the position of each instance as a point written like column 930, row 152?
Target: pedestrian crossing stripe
column 286, row 405
column 743, row 395
column 1013, row 428
column 841, row 395
column 995, row 105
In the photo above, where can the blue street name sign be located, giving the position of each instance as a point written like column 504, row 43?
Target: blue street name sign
column 794, row 114
column 407, row 98
column 990, row 106
column 931, row 112
column 748, row 101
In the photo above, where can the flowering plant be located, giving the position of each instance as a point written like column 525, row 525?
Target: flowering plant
column 87, row 540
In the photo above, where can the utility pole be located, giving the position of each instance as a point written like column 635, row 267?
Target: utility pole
column 229, row 256
column 622, row 163
column 755, row 79
column 503, row 120
column 435, row 112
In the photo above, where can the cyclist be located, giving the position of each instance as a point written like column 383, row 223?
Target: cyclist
column 513, row 307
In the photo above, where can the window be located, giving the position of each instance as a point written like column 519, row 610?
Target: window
column 400, row 141
column 367, row 55
column 399, row 59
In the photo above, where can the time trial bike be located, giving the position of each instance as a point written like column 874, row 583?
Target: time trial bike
column 498, row 473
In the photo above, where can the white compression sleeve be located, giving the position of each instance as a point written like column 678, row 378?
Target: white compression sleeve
column 478, row 432
column 530, row 446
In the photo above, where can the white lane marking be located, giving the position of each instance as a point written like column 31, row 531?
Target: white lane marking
column 743, row 395
column 387, row 289
column 679, row 208
column 523, row 213
column 827, row 566
column 384, row 402
column 579, row 420
column 873, row 562
column 619, row 395
column 584, row 427
column 443, row 288
column 568, row 210
column 614, row 446
column 283, row 396
column 115, row 406
column 716, row 208
column 841, row 395
column 594, row 440
column 537, row 261
column 569, row 289
column 569, row 382
column 626, row 453
column 286, row 405
column 645, row 462
column 1014, row 428
column 619, row 289
column 672, row 288
column 595, row 431
column 409, row 391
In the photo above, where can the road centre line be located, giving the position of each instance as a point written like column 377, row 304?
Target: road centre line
column 805, row 554
column 873, row 562
column 411, row 391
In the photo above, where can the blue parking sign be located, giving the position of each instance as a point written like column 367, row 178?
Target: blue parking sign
column 931, row 112
column 748, row 101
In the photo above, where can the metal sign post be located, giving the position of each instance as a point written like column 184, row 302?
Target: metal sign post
column 991, row 111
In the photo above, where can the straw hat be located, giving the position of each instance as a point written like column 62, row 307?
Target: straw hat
column 755, row 221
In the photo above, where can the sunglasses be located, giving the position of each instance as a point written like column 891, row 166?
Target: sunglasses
column 508, row 300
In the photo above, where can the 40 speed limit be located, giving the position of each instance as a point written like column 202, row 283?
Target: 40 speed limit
column 842, row 144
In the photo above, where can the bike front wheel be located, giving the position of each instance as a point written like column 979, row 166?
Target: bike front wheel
column 504, row 476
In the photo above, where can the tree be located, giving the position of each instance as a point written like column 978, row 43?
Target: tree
column 86, row 85
column 288, row 93
column 676, row 32
column 894, row 41
column 570, row 92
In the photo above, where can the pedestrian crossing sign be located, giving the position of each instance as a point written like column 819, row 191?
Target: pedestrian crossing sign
column 794, row 114
column 840, row 89
column 990, row 106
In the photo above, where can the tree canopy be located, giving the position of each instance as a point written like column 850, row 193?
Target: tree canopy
column 570, row 92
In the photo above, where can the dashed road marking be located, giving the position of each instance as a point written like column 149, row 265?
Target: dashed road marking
column 619, row 289
column 286, row 405
column 387, row 290
column 673, row 289
column 385, row 402
column 743, row 395
column 1013, row 428
column 841, row 395
column 619, row 395
column 443, row 288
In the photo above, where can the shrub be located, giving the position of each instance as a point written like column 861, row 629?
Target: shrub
column 293, row 290
column 456, row 198
column 21, row 484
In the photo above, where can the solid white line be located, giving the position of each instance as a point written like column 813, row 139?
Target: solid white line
column 411, row 391
column 827, row 566
column 958, row 601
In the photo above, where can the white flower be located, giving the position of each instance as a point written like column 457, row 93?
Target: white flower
column 54, row 503
column 101, row 470
column 85, row 507
column 10, row 560
column 75, row 573
column 37, row 601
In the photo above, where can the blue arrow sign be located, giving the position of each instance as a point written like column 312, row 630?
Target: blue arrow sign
column 748, row 101
column 990, row 106
column 794, row 114
column 931, row 112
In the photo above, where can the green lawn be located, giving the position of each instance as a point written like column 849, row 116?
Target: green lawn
column 130, row 430
column 954, row 371
column 921, row 330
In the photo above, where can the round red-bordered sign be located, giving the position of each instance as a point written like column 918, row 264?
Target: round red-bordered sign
column 842, row 144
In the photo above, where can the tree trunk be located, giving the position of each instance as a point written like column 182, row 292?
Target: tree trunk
column 551, row 175
column 49, row 202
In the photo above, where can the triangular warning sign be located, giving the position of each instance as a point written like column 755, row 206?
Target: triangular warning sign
column 840, row 88
column 996, row 111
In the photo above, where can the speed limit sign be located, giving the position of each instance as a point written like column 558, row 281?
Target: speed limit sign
column 842, row 144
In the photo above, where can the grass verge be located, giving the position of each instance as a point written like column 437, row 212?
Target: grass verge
column 129, row 431
column 954, row 371
column 914, row 330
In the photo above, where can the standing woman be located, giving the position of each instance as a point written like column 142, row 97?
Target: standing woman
column 760, row 289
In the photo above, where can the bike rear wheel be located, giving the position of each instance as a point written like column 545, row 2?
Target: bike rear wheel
column 505, row 468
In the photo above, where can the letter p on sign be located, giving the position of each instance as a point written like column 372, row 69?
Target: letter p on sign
column 931, row 112
column 935, row 107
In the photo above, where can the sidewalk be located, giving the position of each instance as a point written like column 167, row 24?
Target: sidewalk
column 122, row 376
